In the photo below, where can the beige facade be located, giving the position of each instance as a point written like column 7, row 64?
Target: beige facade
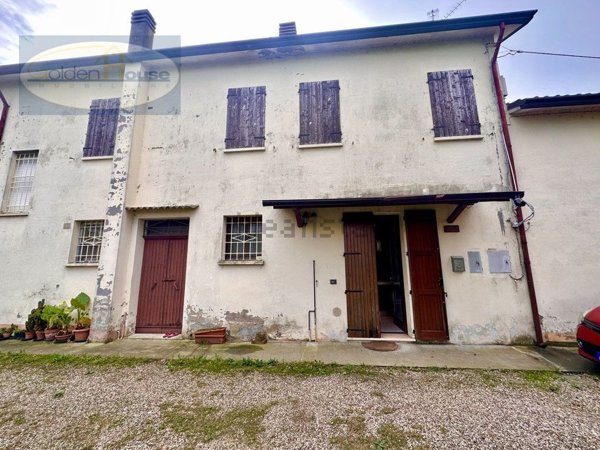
column 176, row 166
column 557, row 152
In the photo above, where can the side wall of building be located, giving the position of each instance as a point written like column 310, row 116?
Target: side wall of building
column 558, row 160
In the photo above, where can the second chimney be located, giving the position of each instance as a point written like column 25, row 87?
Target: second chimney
column 142, row 31
column 287, row 29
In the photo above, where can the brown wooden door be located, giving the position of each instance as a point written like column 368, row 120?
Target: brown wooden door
column 361, row 276
column 162, row 284
column 427, row 285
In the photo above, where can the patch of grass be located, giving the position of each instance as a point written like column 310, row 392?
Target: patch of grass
column 387, row 410
column 545, row 380
column 378, row 394
column 203, row 424
column 353, row 434
column 14, row 416
column 58, row 394
column 490, row 379
column 306, row 368
column 26, row 360
column 86, row 432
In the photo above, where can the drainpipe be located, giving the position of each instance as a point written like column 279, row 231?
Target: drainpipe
column 539, row 337
column 4, row 115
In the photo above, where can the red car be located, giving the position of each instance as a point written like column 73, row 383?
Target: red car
column 588, row 335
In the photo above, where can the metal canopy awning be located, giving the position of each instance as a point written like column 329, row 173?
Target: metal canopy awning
column 462, row 201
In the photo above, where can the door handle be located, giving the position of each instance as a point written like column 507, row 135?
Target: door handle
column 153, row 286
column 176, row 287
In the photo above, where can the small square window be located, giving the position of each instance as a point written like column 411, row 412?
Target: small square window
column 17, row 195
column 87, row 241
column 243, row 238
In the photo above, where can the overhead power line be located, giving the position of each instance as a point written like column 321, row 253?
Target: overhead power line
column 511, row 52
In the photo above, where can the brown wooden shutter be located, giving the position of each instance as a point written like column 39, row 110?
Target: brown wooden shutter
column 246, row 117
column 320, row 112
column 453, row 104
column 102, row 127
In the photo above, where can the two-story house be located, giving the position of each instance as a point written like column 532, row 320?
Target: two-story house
column 329, row 186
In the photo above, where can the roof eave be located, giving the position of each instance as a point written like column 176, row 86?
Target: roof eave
column 520, row 18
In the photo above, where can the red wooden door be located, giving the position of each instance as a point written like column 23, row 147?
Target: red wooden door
column 427, row 285
column 162, row 284
column 362, row 301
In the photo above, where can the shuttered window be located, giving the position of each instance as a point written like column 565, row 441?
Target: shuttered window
column 246, row 117
column 102, row 127
column 453, row 105
column 320, row 112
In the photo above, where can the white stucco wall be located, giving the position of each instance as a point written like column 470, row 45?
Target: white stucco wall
column 558, row 160
column 388, row 149
column 35, row 248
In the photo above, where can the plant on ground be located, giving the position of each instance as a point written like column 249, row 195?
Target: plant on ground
column 202, row 424
column 35, row 322
column 353, row 434
column 305, row 368
column 545, row 380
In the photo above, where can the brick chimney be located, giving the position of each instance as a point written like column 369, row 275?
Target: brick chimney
column 287, row 29
column 143, row 27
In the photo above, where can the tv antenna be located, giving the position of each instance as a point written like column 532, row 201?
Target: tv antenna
column 454, row 8
column 433, row 13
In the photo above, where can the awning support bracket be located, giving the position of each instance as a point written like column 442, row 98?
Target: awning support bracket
column 460, row 207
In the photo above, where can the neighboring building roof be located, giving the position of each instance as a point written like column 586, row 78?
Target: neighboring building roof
column 555, row 104
column 514, row 20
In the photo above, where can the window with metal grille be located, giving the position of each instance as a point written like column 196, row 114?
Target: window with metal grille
column 89, row 241
column 102, row 128
column 243, row 238
column 453, row 105
column 17, row 195
column 320, row 112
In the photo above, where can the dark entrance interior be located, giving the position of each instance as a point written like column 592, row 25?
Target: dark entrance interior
column 390, row 284
column 162, row 284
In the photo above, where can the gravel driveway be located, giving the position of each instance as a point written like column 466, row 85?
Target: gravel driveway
column 149, row 406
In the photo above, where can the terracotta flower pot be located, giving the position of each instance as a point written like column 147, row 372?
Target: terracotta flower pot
column 50, row 334
column 61, row 337
column 210, row 335
column 39, row 335
column 29, row 335
column 81, row 335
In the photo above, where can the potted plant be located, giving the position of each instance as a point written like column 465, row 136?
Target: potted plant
column 5, row 333
column 81, row 306
column 29, row 332
column 36, row 322
column 58, row 319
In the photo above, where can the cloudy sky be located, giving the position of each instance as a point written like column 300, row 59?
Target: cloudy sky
column 560, row 26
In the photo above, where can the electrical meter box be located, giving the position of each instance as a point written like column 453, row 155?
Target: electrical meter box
column 458, row 263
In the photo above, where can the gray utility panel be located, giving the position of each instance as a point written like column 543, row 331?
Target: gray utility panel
column 475, row 265
column 499, row 261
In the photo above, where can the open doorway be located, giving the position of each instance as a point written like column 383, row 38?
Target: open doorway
column 390, row 283
column 374, row 284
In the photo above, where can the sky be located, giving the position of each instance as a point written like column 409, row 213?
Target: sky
column 560, row 26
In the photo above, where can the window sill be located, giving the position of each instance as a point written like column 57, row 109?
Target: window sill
column 255, row 262
column 244, row 149
column 14, row 214
column 458, row 138
column 81, row 265
column 96, row 158
column 329, row 145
